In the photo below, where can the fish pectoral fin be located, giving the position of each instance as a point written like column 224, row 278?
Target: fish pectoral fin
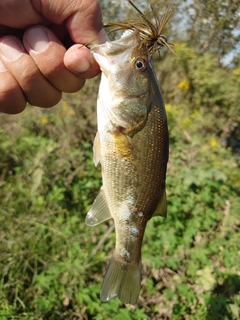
column 99, row 211
column 96, row 149
column 161, row 209
column 121, row 280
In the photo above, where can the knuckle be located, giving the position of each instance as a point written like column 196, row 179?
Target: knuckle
column 28, row 77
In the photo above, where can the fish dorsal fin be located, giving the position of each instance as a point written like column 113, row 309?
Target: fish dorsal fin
column 161, row 209
column 99, row 210
column 96, row 149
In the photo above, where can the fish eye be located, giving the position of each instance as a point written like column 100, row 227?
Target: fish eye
column 141, row 65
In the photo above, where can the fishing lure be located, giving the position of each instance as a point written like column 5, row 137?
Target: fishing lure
column 150, row 34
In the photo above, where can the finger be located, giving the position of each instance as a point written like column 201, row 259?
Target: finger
column 20, row 14
column 80, row 61
column 12, row 99
column 37, row 90
column 83, row 18
column 48, row 53
column 85, row 26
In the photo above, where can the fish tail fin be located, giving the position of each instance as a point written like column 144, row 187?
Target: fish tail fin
column 121, row 280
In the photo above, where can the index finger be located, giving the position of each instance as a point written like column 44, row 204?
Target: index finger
column 83, row 18
column 86, row 25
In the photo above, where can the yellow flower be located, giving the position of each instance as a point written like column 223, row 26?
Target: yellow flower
column 213, row 142
column 65, row 105
column 71, row 112
column 44, row 120
column 184, row 85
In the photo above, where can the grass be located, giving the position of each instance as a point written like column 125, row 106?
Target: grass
column 49, row 268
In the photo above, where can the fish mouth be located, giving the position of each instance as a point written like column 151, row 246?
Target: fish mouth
column 129, row 39
column 115, row 53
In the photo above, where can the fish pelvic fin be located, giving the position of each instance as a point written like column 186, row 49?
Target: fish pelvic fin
column 122, row 280
column 99, row 211
column 161, row 209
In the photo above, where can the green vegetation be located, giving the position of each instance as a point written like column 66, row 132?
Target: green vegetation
column 49, row 268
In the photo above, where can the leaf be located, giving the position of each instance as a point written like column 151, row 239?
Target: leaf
column 235, row 310
column 205, row 278
column 37, row 180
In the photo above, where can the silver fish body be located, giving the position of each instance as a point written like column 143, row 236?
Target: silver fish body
column 132, row 147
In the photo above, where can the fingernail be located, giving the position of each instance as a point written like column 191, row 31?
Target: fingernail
column 11, row 48
column 83, row 65
column 2, row 67
column 37, row 40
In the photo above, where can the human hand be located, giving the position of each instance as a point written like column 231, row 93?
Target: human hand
column 35, row 65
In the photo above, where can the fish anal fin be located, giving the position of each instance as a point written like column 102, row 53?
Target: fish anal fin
column 96, row 149
column 121, row 280
column 161, row 209
column 99, row 210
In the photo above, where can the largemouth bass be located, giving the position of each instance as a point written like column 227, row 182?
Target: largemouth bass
column 132, row 147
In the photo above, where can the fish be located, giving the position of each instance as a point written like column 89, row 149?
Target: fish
column 132, row 146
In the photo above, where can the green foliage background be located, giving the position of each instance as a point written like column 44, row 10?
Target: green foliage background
column 51, row 264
